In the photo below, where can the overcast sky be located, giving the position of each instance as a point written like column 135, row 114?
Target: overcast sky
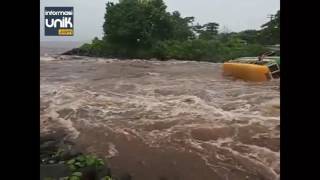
column 233, row 15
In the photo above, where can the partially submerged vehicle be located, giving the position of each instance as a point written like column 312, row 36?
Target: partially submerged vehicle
column 261, row 68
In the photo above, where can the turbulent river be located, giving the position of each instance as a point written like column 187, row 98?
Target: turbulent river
column 164, row 120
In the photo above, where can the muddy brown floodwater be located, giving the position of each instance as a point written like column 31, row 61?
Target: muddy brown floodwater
column 172, row 120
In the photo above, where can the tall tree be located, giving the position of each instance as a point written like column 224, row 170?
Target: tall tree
column 181, row 27
column 133, row 24
column 139, row 24
column 270, row 32
column 209, row 31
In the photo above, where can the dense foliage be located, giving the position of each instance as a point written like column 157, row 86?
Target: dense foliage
column 144, row 29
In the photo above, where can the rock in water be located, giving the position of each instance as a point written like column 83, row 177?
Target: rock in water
column 74, row 51
column 54, row 171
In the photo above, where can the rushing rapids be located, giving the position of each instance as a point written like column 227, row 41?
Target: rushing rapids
column 173, row 120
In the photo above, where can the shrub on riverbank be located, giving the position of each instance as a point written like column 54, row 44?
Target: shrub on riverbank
column 199, row 50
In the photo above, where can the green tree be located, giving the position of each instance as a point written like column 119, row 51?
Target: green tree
column 132, row 25
column 270, row 32
column 250, row 36
column 135, row 26
column 123, row 26
column 209, row 31
column 181, row 27
column 212, row 28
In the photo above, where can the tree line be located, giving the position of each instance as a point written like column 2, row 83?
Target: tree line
column 144, row 29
